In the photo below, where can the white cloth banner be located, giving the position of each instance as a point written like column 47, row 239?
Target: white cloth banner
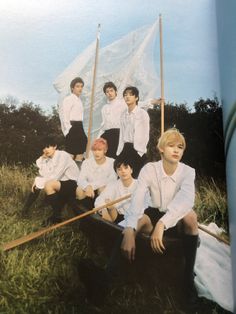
column 213, row 269
column 127, row 61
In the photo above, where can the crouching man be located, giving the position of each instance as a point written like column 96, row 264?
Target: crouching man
column 58, row 175
column 172, row 191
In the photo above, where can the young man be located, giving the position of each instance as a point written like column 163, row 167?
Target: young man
column 134, row 131
column 96, row 172
column 58, row 175
column 71, row 117
column 172, row 191
column 111, row 113
column 123, row 186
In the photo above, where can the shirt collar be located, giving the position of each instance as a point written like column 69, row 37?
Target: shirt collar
column 133, row 111
column 173, row 177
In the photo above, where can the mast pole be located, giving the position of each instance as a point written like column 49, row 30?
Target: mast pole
column 162, row 79
column 93, row 93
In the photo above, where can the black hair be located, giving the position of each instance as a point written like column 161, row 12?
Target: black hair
column 48, row 141
column 121, row 161
column 75, row 81
column 133, row 90
column 109, row 85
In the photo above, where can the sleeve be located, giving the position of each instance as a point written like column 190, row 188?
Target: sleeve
column 121, row 136
column 145, row 104
column 42, row 166
column 138, row 200
column 83, row 176
column 107, row 193
column 101, row 129
column 65, row 115
column 182, row 202
column 141, row 135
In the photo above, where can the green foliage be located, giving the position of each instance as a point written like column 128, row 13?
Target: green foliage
column 203, row 131
column 22, row 130
column 42, row 277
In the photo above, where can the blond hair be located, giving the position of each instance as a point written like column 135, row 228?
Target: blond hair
column 171, row 135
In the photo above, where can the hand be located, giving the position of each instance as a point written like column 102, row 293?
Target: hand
column 107, row 200
column 156, row 101
column 128, row 244
column 89, row 192
column 33, row 187
column 157, row 237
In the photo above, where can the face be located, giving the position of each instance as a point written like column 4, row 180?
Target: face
column 172, row 152
column 130, row 99
column 124, row 172
column 98, row 154
column 111, row 93
column 49, row 151
column 77, row 89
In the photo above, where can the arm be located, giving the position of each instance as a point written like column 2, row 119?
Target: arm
column 65, row 115
column 141, row 132
column 101, row 129
column 183, row 200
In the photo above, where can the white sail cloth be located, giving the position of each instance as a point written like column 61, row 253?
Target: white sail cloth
column 127, row 61
column 213, row 269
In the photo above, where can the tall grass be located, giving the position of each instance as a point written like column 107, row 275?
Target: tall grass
column 42, row 276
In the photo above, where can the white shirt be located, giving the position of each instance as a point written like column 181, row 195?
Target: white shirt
column 96, row 175
column 174, row 195
column 71, row 109
column 114, row 191
column 134, row 129
column 60, row 167
column 111, row 114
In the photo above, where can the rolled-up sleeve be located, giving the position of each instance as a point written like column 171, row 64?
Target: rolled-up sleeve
column 182, row 202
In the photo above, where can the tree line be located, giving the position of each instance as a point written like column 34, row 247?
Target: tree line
column 22, row 129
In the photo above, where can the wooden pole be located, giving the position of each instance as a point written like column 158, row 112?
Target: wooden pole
column 213, row 234
column 161, row 75
column 34, row 235
column 93, row 93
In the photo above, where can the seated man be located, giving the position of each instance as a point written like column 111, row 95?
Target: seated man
column 96, row 173
column 58, row 175
column 172, row 191
column 121, row 187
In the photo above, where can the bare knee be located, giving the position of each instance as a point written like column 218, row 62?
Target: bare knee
column 52, row 187
column 145, row 225
column 80, row 194
column 190, row 224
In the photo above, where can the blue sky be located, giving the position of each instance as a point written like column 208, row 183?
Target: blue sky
column 40, row 38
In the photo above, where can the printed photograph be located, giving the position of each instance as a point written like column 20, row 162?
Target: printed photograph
column 113, row 158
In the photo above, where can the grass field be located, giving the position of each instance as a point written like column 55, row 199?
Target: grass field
column 42, row 276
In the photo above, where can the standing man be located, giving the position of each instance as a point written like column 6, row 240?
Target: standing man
column 111, row 114
column 71, row 117
column 134, row 131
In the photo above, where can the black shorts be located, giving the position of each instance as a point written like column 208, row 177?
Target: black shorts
column 119, row 218
column 76, row 139
column 112, row 138
column 155, row 215
column 67, row 190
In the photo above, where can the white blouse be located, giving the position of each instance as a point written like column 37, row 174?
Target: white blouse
column 60, row 167
column 114, row 191
column 96, row 175
column 71, row 109
column 174, row 195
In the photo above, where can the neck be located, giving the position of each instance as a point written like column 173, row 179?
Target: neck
column 127, row 182
column 169, row 167
column 101, row 161
column 131, row 107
